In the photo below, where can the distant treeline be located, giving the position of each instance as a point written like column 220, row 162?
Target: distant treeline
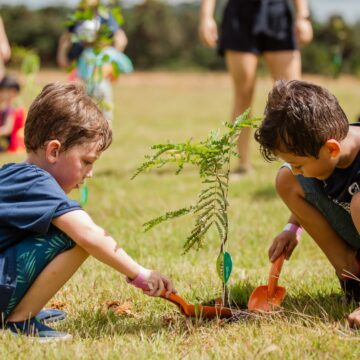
column 163, row 36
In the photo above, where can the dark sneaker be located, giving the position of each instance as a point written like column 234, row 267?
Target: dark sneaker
column 48, row 316
column 351, row 288
column 351, row 284
column 36, row 330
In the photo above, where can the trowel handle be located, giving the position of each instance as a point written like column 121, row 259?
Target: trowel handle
column 274, row 275
column 177, row 300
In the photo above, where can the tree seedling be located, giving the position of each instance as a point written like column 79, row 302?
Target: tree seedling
column 212, row 158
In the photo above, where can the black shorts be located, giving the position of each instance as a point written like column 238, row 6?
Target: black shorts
column 257, row 26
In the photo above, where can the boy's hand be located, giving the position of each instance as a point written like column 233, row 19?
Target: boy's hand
column 354, row 318
column 284, row 243
column 157, row 283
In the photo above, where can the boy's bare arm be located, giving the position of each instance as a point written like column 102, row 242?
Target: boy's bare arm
column 284, row 243
column 79, row 226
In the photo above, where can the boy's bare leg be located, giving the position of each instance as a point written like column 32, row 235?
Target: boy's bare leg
column 340, row 255
column 48, row 283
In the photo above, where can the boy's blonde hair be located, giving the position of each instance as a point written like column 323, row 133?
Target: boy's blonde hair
column 66, row 113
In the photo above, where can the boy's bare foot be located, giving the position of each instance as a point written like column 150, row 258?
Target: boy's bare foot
column 354, row 318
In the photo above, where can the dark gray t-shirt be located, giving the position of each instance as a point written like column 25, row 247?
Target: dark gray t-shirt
column 343, row 184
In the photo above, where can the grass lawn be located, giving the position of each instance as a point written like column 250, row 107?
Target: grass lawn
column 156, row 107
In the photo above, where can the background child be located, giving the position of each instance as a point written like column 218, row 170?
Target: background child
column 47, row 236
column 9, row 90
column 84, row 45
column 305, row 126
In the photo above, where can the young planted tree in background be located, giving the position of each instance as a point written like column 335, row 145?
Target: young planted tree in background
column 212, row 158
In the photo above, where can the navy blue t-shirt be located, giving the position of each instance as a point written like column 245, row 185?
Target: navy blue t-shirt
column 30, row 198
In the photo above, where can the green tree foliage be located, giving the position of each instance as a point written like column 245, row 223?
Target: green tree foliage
column 336, row 48
column 212, row 158
column 38, row 30
column 146, row 25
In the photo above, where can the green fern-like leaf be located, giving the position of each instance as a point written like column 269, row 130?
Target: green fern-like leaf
column 212, row 158
column 169, row 215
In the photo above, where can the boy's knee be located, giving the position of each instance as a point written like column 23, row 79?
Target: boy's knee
column 287, row 186
column 284, row 182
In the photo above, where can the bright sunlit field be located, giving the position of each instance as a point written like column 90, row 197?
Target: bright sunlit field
column 158, row 107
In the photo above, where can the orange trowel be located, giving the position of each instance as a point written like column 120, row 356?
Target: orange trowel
column 269, row 297
column 195, row 310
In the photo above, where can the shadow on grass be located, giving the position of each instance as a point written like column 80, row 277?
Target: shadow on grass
column 101, row 324
column 329, row 307
column 301, row 308
column 319, row 306
column 265, row 193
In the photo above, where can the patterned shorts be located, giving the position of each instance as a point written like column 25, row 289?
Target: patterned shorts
column 32, row 255
column 338, row 218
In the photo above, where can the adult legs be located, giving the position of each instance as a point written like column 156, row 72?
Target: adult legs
column 284, row 65
column 242, row 68
column 340, row 254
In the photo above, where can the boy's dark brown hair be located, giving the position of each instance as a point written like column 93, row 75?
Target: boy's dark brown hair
column 299, row 118
column 66, row 113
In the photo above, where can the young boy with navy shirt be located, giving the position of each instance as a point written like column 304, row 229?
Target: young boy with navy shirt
column 305, row 126
column 45, row 236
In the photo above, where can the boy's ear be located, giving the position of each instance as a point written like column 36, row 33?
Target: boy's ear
column 333, row 146
column 52, row 151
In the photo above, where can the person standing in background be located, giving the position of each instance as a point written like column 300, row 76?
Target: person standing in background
column 251, row 28
column 5, row 51
column 78, row 45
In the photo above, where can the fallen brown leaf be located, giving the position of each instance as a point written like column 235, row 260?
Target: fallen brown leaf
column 169, row 320
column 121, row 308
column 56, row 304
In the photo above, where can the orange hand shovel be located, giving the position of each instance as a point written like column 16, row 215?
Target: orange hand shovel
column 198, row 310
column 268, row 297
